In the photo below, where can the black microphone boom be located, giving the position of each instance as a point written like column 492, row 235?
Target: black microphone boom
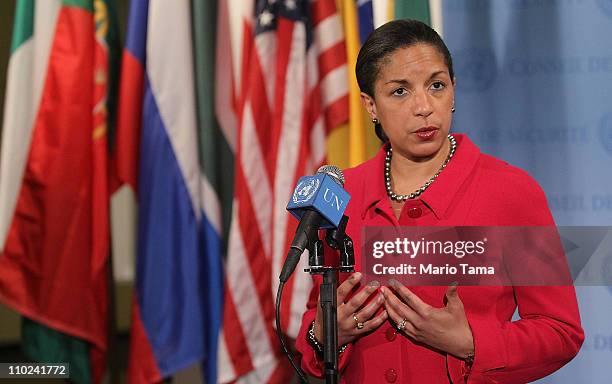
column 306, row 234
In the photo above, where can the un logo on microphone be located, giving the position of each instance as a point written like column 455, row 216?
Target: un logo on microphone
column 305, row 190
column 476, row 69
column 606, row 7
column 605, row 132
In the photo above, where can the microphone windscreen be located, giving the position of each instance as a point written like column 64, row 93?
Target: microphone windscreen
column 334, row 172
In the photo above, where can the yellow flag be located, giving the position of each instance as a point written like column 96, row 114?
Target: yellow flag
column 355, row 142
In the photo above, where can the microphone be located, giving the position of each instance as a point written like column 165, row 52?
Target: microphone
column 318, row 201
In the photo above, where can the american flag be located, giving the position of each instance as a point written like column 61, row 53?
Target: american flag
column 293, row 92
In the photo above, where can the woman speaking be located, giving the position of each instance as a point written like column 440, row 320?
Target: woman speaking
column 424, row 176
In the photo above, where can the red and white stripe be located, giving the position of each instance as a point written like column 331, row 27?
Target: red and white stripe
column 25, row 76
column 288, row 100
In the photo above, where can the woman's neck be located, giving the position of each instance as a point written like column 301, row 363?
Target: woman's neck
column 409, row 174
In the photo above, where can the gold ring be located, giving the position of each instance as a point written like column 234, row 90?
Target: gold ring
column 358, row 324
column 402, row 324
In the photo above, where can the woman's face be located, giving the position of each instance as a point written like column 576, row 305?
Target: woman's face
column 413, row 99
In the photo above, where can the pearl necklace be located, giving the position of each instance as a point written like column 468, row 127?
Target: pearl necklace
column 418, row 192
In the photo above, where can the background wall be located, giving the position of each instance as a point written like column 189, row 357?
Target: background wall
column 534, row 80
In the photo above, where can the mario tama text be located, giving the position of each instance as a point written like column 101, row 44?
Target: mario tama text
column 431, row 269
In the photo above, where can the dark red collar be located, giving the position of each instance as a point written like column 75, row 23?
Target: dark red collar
column 440, row 193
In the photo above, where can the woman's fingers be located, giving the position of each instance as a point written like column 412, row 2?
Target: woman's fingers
column 374, row 322
column 453, row 301
column 410, row 298
column 359, row 298
column 349, row 331
column 347, row 286
column 395, row 305
column 369, row 310
column 401, row 321
column 353, row 320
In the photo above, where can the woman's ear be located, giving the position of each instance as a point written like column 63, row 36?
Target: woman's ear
column 369, row 104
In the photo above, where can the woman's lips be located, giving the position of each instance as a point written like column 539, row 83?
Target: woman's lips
column 426, row 133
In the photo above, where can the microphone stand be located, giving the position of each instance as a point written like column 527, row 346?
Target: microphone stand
column 337, row 239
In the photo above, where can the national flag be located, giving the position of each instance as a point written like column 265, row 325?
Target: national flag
column 360, row 132
column 416, row 9
column 365, row 15
column 382, row 10
column 53, row 182
column 359, row 20
column 427, row 11
column 216, row 164
column 177, row 295
column 293, row 91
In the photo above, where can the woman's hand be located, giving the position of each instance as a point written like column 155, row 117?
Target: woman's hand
column 446, row 329
column 347, row 325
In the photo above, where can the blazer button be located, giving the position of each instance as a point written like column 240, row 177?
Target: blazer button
column 415, row 212
column 390, row 334
column 390, row 375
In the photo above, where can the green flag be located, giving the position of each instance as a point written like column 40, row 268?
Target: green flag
column 53, row 187
column 413, row 9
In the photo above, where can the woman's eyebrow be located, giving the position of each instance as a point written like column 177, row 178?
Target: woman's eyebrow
column 398, row 81
column 407, row 82
column 441, row 72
